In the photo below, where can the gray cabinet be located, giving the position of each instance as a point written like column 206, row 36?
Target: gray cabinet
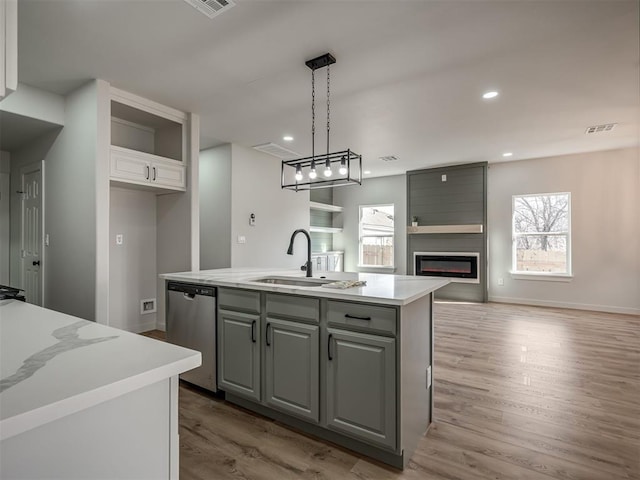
column 292, row 368
column 361, row 386
column 239, row 353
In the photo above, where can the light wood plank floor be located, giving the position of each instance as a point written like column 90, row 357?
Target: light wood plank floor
column 520, row 393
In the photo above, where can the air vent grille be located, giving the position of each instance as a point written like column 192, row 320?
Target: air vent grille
column 211, row 8
column 607, row 127
column 389, row 158
column 277, row 151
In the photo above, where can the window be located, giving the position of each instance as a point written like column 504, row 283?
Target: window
column 376, row 236
column 542, row 233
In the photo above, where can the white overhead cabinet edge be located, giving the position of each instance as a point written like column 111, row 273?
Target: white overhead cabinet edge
column 148, row 144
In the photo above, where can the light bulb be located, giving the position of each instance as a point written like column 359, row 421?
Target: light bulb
column 298, row 173
column 312, row 172
column 343, row 166
column 327, row 168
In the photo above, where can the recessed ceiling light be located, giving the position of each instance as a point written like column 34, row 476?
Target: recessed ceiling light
column 507, row 154
column 287, row 138
column 367, row 172
column 491, row 94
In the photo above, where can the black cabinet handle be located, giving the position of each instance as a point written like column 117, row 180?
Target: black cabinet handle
column 36, row 263
column 147, row 172
column 347, row 315
column 266, row 335
column 253, row 331
column 329, row 346
column 154, row 174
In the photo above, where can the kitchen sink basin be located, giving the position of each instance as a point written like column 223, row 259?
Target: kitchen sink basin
column 294, row 281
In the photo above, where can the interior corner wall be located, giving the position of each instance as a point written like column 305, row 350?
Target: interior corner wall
column 373, row 191
column 215, row 207
column 132, row 265
column 255, row 187
column 5, row 218
column 70, row 216
column 605, row 227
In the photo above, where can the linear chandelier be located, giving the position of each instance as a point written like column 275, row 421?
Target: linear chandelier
column 323, row 170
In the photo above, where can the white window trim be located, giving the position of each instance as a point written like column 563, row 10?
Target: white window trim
column 543, row 276
column 361, row 265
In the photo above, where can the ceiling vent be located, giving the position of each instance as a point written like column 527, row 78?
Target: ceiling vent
column 607, row 127
column 277, row 151
column 211, row 8
column 389, row 158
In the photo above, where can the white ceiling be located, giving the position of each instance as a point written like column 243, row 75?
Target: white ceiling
column 408, row 79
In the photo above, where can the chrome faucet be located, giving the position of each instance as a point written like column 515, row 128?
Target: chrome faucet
column 306, row 266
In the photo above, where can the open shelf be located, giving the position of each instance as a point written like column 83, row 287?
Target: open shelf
column 475, row 228
column 324, row 207
column 325, row 229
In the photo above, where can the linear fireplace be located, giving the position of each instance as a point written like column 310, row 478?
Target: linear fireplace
column 460, row 267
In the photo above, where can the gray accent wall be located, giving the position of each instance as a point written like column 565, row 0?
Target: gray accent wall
column 215, row 207
column 457, row 199
column 373, row 191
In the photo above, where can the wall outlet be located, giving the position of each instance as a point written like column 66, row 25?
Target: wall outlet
column 252, row 220
column 119, row 239
column 428, row 377
column 242, row 239
column 501, row 281
column 443, row 178
column 46, row 239
column 147, row 305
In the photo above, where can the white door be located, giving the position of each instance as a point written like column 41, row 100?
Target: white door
column 31, row 240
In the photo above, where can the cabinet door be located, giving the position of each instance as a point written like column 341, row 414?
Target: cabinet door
column 171, row 176
column 292, row 368
column 361, row 386
column 129, row 168
column 239, row 353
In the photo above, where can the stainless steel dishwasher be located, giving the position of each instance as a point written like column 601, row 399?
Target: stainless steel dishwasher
column 191, row 323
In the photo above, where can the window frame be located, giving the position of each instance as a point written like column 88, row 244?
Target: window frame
column 393, row 238
column 534, row 275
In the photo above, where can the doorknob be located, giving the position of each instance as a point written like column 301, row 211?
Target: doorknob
column 36, row 262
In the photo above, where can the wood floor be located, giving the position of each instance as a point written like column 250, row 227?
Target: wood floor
column 520, row 393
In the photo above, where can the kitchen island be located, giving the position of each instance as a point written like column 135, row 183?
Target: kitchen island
column 352, row 366
column 83, row 400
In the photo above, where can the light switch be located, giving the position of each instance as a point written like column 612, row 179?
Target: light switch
column 444, row 178
column 242, row 239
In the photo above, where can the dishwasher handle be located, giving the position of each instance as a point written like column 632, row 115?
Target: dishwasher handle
column 188, row 296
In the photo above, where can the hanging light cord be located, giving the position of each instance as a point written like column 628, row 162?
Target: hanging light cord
column 328, row 107
column 313, row 114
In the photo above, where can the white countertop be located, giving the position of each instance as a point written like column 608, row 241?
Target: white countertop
column 53, row 365
column 380, row 288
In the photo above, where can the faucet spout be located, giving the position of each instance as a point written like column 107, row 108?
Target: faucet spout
column 307, row 265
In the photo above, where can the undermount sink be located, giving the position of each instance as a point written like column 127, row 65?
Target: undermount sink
column 293, row 281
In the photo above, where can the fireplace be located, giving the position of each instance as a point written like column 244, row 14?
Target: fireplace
column 460, row 267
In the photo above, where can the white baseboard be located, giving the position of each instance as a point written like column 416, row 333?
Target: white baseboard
column 574, row 306
column 142, row 327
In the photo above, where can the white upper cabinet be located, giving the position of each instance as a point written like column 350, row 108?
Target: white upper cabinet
column 8, row 47
column 148, row 143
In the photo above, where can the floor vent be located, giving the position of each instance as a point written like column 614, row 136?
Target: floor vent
column 211, row 8
column 277, row 151
column 607, row 127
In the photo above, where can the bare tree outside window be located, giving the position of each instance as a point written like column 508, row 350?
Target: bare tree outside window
column 376, row 235
column 541, row 233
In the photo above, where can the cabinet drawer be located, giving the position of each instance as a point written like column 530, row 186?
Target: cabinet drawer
column 370, row 317
column 289, row 306
column 240, row 300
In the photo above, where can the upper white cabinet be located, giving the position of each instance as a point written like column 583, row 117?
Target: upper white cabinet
column 8, row 47
column 148, row 143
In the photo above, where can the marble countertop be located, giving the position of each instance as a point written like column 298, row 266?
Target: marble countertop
column 53, row 365
column 380, row 288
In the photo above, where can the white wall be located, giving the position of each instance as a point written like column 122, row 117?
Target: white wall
column 5, row 194
column 383, row 190
column 605, row 219
column 255, row 187
column 70, row 217
column 215, row 207
column 35, row 103
column 132, row 265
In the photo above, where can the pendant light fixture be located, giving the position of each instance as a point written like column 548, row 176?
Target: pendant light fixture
column 340, row 168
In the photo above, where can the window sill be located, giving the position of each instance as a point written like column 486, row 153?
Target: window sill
column 542, row 276
column 375, row 269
